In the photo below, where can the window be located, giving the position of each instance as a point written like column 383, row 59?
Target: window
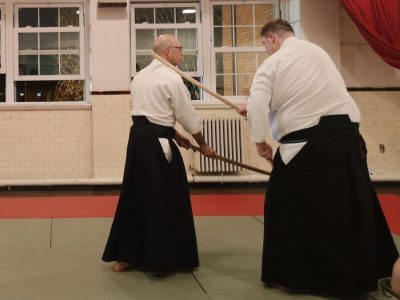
column 237, row 50
column 2, row 56
column 49, row 64
column 222, row 50
column 179, row 19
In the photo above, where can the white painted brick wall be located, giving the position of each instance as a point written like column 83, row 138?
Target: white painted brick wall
column 41, row 144
column 111, row 124
column 60, row 144
column 380, row 125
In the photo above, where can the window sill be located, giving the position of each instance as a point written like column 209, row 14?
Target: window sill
column 45, row 106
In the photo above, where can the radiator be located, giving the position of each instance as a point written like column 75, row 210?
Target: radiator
column 224, row 134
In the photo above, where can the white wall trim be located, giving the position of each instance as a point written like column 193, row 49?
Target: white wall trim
column 45, row 106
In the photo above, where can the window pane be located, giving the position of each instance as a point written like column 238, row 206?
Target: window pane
column 223, row 37
column 48, row 64
column 258, row 38
column 28, row 17
column 225, row 62
column 219, row 63
column 144, row 15
column 69, row 90
column 264, row 13
column 27, row 41
column 244, row 83
column 185, row 15
column 166, row 31
column 243, row 14
column 165, row 15
column 49, row 41
column 188, row 38
column 227, row 15
column 144, row 38
column 261, row 56
column 218, row 37
column 222, row 15
column 69, row 16
column 70, row 64
column 69, row 40
column 189, row 63
column 44, row 91
column 142, row 61
column 195, row 92
column 244, row 36
column 217, row 15
column 48, row 17
column 226, row 85
column 246, row 62
column 28, row 65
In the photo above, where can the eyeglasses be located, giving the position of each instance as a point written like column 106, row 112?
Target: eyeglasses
column 180, row 48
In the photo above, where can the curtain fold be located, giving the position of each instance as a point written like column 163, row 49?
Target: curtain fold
column 379, row 22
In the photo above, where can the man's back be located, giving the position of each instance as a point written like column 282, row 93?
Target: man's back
column 151, row 90
column 159, row 94
column 306, row 86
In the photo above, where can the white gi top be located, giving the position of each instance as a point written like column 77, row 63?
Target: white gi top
column 159, row 94
column 293, row 88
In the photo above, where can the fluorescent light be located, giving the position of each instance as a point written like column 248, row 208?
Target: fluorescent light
column 188, row 11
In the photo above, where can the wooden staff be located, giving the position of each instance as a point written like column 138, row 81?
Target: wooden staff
column 196, row 83
column 233, row 162
column 218, row 96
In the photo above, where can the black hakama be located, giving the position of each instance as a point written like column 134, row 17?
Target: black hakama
column 324, row 228
column 153, row 226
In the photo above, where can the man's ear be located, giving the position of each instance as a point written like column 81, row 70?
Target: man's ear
column 166, row 51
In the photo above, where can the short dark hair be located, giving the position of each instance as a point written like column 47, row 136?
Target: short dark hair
column 276, row 26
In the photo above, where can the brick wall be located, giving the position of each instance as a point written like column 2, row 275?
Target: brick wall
column 111, row 124
column 40, row 144
column 380, row 125
column 51, row 144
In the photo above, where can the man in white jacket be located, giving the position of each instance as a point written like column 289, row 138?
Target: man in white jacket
column 324, row 229
column 153, row 228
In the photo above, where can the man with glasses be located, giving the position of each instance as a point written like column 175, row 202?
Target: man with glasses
column 324, row 228
column 153, row 228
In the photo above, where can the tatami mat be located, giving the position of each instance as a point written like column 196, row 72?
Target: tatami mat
column 21, row 233
column 61, row 259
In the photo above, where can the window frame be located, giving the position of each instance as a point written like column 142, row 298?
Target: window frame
column 80, row 29
column 290, row 10
column 197, row 25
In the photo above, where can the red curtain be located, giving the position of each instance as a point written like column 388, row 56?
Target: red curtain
column 379, row 23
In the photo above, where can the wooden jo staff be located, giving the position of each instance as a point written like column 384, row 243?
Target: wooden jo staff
column 218, row 96
column 195, row 82
column 233, row 162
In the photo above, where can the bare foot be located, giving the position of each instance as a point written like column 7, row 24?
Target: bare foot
column 122, row 266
